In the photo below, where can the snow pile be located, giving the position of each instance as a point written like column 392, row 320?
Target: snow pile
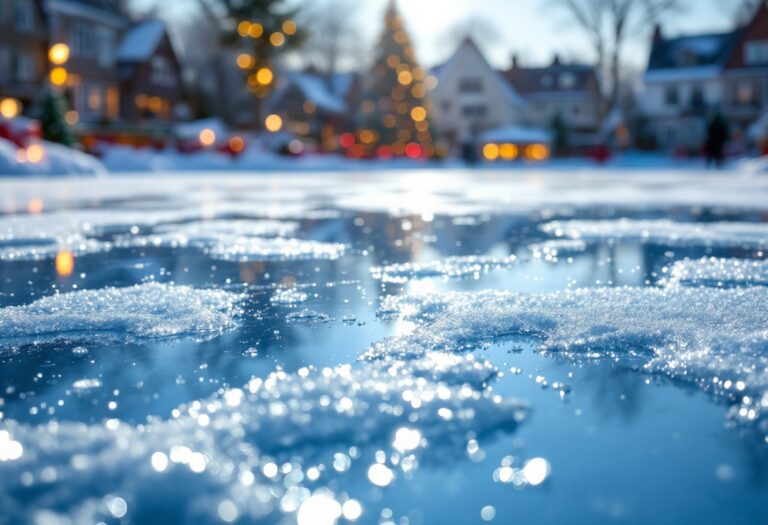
column 143, row 311
column 46, row 158
column 245, row 249
column 288, row 297
column 451, row 267
column 262, row 452
column 714, row 338
column 743, row 234
column 722, row 273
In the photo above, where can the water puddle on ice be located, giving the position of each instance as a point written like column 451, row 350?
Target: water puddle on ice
column 333, row 362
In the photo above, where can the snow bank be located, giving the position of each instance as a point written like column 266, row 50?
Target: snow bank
column 259, row 451
column 715, row 339
column 743, row 234
column 721, row 273
column 54, row 160
column 144, row 311
column 451, row 267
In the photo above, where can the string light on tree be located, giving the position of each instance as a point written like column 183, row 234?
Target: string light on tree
column 394, row 115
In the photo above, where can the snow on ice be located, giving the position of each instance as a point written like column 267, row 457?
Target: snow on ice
column 451, row 267
column 717, row 272
column 743, row 234
column 713, row 338
column 143, row 311
column 388, row 417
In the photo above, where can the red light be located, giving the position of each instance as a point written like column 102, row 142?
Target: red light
column 356, row 151
column 413, row 150
column 385, row 152
column 347, row 140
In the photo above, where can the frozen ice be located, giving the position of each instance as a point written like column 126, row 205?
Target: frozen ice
column 451, row 267
column 718, row 272
column 708, row 337
column 256, row 448
column 244, row 249
column 307, row 316
column 289, row 296
column 664, row 231
column 144, row 311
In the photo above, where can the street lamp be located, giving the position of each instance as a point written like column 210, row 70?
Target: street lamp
column 58, row 55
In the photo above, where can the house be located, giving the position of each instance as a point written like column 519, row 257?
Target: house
column 690, row 78
column 471, row 97
column 570, row 92
column 316, row 106
column 150, row 74
column 23, row 50
column 93, row 30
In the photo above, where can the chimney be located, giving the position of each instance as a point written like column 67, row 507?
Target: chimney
column 556, row 61
column 515, row 61
column 658, row 36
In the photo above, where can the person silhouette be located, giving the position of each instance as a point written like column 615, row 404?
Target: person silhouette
column 717, row 136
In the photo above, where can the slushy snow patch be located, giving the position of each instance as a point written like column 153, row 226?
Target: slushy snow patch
column 722, row 273
column 743, row 234
column 713, row 338
column 143, row 311
column 228, row 447
column 451, row 267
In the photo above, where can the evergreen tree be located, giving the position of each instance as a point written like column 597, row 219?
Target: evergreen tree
column 394, row 115
column 260, row 30
column 52, row 115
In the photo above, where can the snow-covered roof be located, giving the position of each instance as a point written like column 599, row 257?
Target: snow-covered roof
column 141, row 41
column 317, row 90
column 682, row 73
column 516, row 134
column 468, row 46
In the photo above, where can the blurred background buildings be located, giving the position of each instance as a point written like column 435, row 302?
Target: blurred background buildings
column 303, row 85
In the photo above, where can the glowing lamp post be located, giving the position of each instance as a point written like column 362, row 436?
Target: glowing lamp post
column 58, row 56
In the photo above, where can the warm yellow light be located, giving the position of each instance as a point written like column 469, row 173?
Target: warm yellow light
column 35, row 153
column 367, row 136
column 244, row 28
column 491, row 152
column 508, row 151
column 264, row 76
column 59, row 76
column 65, row 263
column 273, row 123
column 72, row 117
column 289, row 27
column 537, row 152
column 35, row 206
column 405, row 77
column 10, row 108
column 236, row 144
column 393, row 61
column 207, row 137
column 244, row 61
column 277, row 39
column 418, row 114
column 58, row 54
column 256, row 30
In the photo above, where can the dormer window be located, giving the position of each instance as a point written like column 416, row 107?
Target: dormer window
column 756, row 53
column 567, row 81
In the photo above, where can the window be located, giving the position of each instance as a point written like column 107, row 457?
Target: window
column 547, row 81
column 671, row 96
column 697, row 97
column 81, row 40
column 113, row 103
column 162, row 72
column 746, row 94
column 5, row 64
column 446, row 106
column 105, row 54
column 25, row 67
column 24, row 13
column 470, row 85
column 475, row 111
column 756, row 53
column 567, row 81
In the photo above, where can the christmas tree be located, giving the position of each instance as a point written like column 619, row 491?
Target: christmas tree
column 263, row 29
column 53, row 111
column 394, row 114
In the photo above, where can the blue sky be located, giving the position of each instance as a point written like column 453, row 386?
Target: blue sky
column 532, row 28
